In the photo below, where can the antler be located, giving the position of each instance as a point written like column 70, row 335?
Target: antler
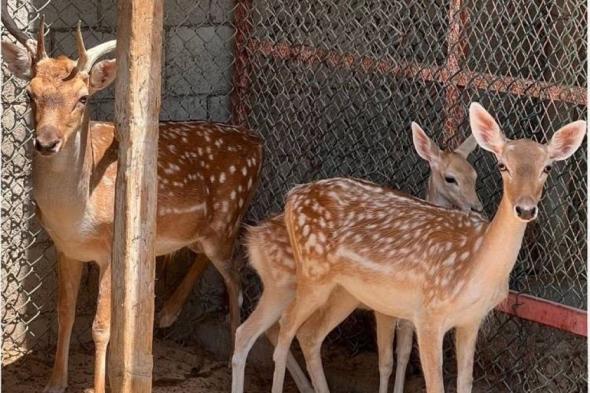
column 87, row 58
column 41, row 54
column 20, row 36
column 467, row 146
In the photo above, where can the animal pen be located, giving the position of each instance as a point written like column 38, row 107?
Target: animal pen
column 331, row 87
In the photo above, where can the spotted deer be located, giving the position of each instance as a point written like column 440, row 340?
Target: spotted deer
column 451, row 183
column 207, row 173
column 406, row 258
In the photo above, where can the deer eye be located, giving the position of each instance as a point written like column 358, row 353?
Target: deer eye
column 547, row 169
column 83, row 100
column 450, row 180
column 502, row 167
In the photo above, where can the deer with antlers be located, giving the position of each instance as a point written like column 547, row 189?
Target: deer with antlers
column 408, row 259
column 451, row 184
column 207, row 174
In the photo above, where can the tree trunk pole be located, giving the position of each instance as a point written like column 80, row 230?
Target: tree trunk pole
column 137, row 108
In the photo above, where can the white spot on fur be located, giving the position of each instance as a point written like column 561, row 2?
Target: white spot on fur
column 363, row 262
column 450, row 260
column 306, row 229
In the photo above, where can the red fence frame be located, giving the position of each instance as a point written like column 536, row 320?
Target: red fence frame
column 546, row 312
column 524, row 306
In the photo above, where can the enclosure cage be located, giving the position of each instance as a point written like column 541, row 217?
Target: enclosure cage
column 332, row 86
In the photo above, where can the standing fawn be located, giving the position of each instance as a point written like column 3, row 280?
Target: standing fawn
column 207, row 174
column 451, row 183
column 402, row 257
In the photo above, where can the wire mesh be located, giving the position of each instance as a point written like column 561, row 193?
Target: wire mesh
column 196, row 85
column 332, row 87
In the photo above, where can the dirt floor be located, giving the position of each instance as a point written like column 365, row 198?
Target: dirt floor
column 190, row 369
column 177, row 369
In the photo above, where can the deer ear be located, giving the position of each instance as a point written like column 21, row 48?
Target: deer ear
column 18, row 60
column 485, row 129
column 102, row 74
column 468, row 145
column 567, row 140
column 424, row 146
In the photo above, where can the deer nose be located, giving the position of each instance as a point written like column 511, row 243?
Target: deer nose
column 47, row 147
column 526, row 209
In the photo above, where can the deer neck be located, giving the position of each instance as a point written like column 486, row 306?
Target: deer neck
column 501, row 244
column 62, row 181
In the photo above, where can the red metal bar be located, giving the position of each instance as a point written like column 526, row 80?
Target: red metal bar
column 241, row 72
column 502, row 84
column 546, row 312
column 522, row 87
column 312, row 56
column 455, row 56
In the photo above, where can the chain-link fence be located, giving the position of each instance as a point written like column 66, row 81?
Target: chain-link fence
column 196, row 84
column 332, row 87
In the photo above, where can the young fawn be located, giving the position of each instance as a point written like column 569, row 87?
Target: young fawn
column 402, row 257
column 207, row 174
column 451, row 183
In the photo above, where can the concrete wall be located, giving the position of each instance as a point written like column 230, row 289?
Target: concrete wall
column 198, row 50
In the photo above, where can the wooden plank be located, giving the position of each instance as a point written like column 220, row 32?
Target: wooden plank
column 137, row 107
column 546, row 312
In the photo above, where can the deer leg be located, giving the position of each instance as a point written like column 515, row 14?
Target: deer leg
column 299, row 377
column 465, row 339
column 312, row 334
column 69, row 272
column 173, row 306
column 430, row 341
column 101, row 327
column 385, row 326
column 268, row 310
column 405, row 333
column 308, row 299
column 232, row 285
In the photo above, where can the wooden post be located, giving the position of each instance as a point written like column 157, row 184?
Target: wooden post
column 137, row 106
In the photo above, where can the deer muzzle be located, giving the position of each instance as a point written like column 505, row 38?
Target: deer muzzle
column 47, row 141
column 526, row 209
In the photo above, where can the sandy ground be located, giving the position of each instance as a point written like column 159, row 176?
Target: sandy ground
column 177, row 369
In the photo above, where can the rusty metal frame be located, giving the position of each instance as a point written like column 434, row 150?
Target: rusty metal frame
column 453, row 78
column 546, row 312
column 241, row 72
column 456, row 54
column 411, row 70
